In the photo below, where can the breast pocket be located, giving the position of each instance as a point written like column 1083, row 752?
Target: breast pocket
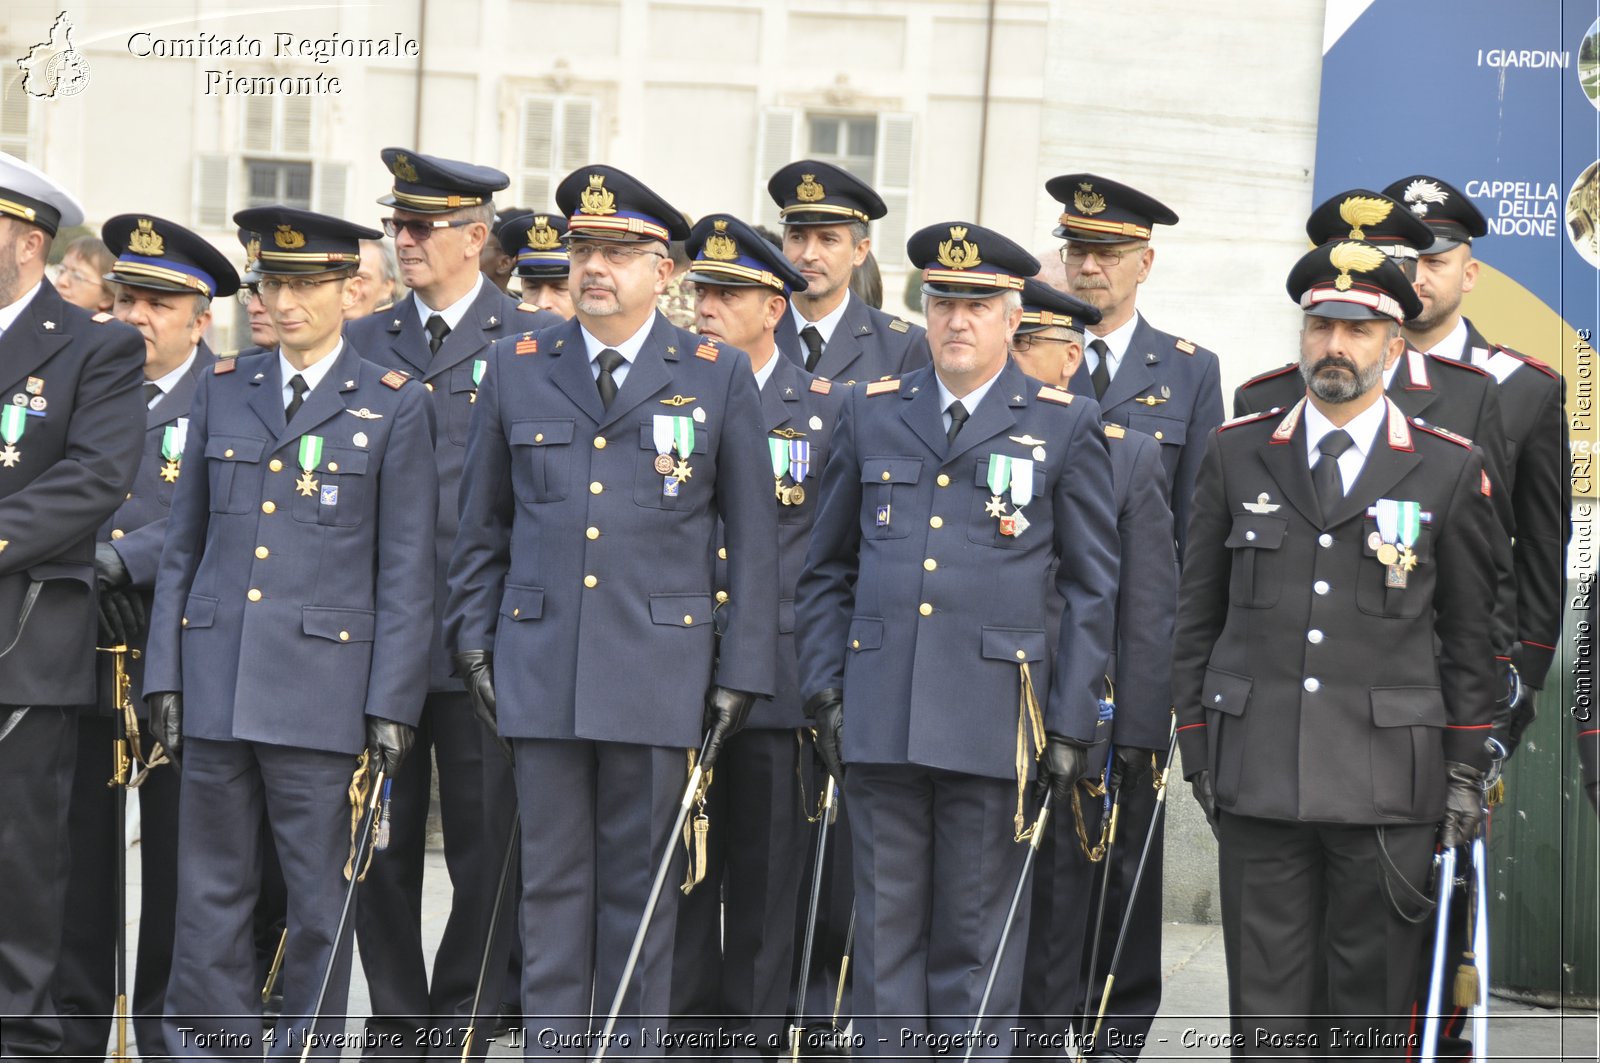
column 339, row 497
column 885, row 484
column 983, row 525
column 541, row 459
column 459, row 399
column 233, row 465
column 1170, row 432
column 1257, row 574
column 1379, row 592
column 651, row 486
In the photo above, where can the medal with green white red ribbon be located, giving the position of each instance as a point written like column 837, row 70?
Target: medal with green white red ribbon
column 1399, row 525
column 478, row 367
column 1011, row 477
column 792, row 458
column 310, row 459
column 670, row 432
column 172, row 450
column 13, row 421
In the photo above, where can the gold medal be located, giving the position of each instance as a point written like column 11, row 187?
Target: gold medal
column 1374, row 541
column 1408, row 559
column 306, row 485
column 1387, row 554
column 10, row 456
column 995, row 507
column 169, row 471
column 664, row 464
column 682, row 471
column 797, row 495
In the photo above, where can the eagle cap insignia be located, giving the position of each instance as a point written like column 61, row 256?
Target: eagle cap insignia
column 1087, row 200
column 596, row 199
column 1350, row 258
column 1358, row 211
column 144, row 240
column 541, row 236
column 286, row 237
column 404, row 169
column 719, row 245
column 958, row 252
column 808, row 191
column 1421, row 192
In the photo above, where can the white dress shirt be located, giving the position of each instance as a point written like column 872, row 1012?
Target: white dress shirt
column 628, row 348
column 313, row 373
column 1363, row 429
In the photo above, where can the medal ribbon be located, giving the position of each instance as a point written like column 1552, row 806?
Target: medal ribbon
column 478, row 366
column 683, row 435
column 778, row 449
column 1000, row 474
column 1410, row 521
column 310, row 452
column 799, row 459
column 1388, row 515
column 661, row 433
column 1021, row 481
column 13, row 420
column 171, row 445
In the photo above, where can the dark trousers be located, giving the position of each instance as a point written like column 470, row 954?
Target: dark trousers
column 936, row 865
column 36, row 769
column 85, row 987
column 214, row 996
column 595, row 823
column 734, row 960
column 476, row 801
column 1307, row 905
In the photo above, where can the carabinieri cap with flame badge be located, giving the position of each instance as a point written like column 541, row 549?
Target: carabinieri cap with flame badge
column 1353, row 280
column 966, row 261
column 424, row 184
column 1453, row 217
column 302, row 241
column 164, row 256
column 1098, row 211
column 727, row 252
column 1361, row 214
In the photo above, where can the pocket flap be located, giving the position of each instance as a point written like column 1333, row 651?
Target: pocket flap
column 461, row 378
column 1263, row 531
column 522, row 603
column 680, row 610
column 75, row 570
column 199, row 611
column 1408, row 707
column 1225, row 692
column 344, row 462
column 786, row 616
column 1038, row 477
column 338, row 625
column 866, row 633
column 235, row 448
column 647, row 439
column 1168, row 431
column 1015, row 644
column 891, row 470
column 541, row 433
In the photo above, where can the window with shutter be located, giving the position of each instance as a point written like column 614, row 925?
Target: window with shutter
column 258, row 123
column 557, row 136
column 295, row 125
column 776, row 147
column 211, row 191
column 895, row 163
column 14, row 117
column 331, row 179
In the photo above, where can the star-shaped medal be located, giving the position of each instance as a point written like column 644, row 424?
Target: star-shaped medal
column 49, row 326
column 681, row 471
column 306, row 485
column 995, row 507
column 169, row 472
column 10, row 456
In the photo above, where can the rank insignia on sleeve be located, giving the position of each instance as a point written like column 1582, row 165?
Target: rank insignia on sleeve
column 101, row 318
column 1056, row 395
column 394, row 378
column 899, row 325
column 1185, row 346
column 883, row 387
column 708, row 351
column 527, row 345
column 227, row 365
column 821, row 386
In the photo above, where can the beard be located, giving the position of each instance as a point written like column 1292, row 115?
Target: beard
column 1338, row 388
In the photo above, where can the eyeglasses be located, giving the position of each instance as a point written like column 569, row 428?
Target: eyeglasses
column 75, row 276
column 271, row 287
column 616, row 254
column 1075, row 253
column 1027, row 341
column 420, row 230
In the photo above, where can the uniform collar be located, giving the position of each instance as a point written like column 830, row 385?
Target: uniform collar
column 1117, row 342
column 628, row 348
column 972, row 398
column 1454, row 345
column 1363, row 428
column 169, row 381
column 9, row 314
column 764, row 374
column 313, row 374
column 827, row 325
column 453, row 313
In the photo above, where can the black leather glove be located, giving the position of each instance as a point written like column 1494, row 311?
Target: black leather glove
column 1463, row 805
column 1200, row 783
column 726, row 712
column 476, row 669
column 1131, row 767
column 1065, row 762
column 121, row 616
column 1513, row 723
column 166, row 722
column 826, row 712
column 108, row 567
column 388, row 743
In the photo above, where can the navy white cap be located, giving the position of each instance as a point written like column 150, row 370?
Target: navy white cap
column 28, row 194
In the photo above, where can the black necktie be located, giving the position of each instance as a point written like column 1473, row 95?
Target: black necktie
column 813, row 341
column 152, row 391
column 1100, row 376
column 1325, row 473
column 609, row 361
column 437, row 331
column 298, row 385
column 958, row 417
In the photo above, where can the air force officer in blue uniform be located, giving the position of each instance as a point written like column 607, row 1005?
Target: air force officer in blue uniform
column 952, row 497
column 292, row 615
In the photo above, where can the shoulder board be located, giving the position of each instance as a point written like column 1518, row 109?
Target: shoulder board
column 394, row 378
column 383, row 307
column 821, row 385
column 883, row 387
column 1438, row 359
column 528, row 308
column 1249, row 418
column 224, row 365
column 1114, row 431
column 527, row 344
column 1483, row 484
column 1443, row 433
column 899, row 325
column 1056, row 395
column 1186, row 346
column 1271, row 374
column 1531, row 361
column 707, row 350
column 101, row 318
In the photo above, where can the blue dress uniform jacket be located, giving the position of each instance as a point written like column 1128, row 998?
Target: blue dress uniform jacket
column 593, row 587
column 868, row 344
column 1171, row 389
column 78, row 458
column 1310, row 688
column 285, row 617
column 1147, row 593
column 920, row 610
column 394, row 337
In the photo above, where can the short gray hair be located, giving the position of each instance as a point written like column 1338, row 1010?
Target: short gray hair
column 1010, row 300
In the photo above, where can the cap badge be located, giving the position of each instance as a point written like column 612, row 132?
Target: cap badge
column 595, row 199
column 542, row 237
column 145, row 240
column 1421, row 192
column 1353, row 258
column 958, row 252
column 288, row 239
column 1363, row 210
column 808, row 190
column 404, row 169
column 1087, row 200
column 719, row 245
column 252, row 250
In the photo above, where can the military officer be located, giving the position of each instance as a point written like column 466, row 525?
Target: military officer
column 831, row 331
column 262, row 335
column 291, row 616
column 757, row 841
column 1145, row 379
column 1537, row 458
column 164, row 279
column 496, row 262
column 440, row 333
column 939, row 690
column 603, row 453
column 69, row 448
column 1332, row 548
column 1048, row 346
column 534, row 239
